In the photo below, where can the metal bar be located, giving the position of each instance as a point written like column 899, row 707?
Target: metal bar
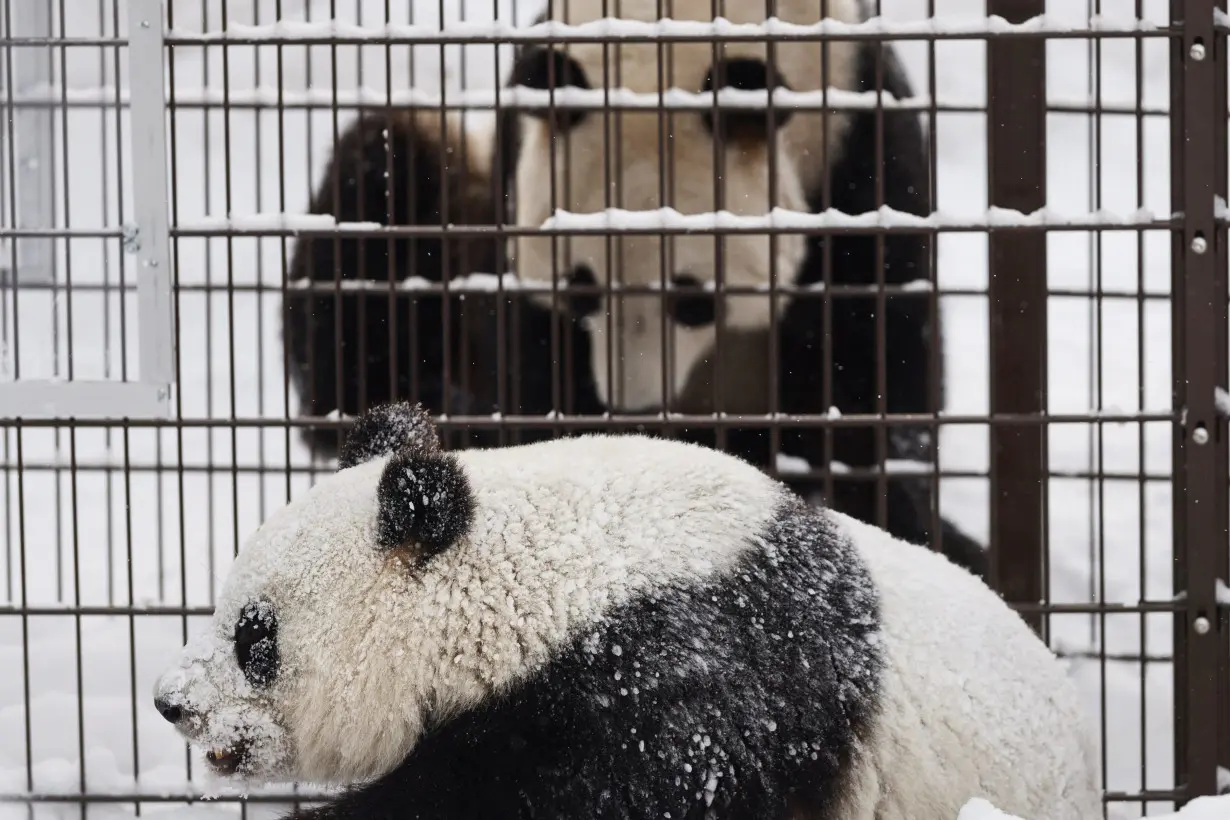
column 472, row 36
column 697, row 33
column 671, row 421
column 149, row 187
column 175, row 611
column 1198, row 177
column 1016, row 155
column 33, row 259
column 81, row 400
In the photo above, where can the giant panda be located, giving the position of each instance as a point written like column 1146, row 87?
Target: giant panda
column 614, row 626
column 553, row 352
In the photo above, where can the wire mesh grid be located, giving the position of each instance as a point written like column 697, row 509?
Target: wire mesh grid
column 1073, row 167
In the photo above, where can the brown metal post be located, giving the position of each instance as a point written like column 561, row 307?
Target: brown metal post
column 1198, row 177
column 1016, row 154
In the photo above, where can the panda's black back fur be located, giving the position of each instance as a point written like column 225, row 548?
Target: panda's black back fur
column 527, row 348
column 744, row 697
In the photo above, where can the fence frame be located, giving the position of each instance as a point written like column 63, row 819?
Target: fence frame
column 1018, row 303
column 149, row 396
column 1199, row 345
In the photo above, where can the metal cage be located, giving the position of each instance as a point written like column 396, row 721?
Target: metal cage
column 156, row 159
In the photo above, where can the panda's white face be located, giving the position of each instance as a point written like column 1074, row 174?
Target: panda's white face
column 269, row 696
column 638, row 160
column 403, row 590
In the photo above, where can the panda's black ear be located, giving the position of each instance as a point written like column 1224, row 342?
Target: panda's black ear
column 387, row 429
column 542, row 68
column 425, row 500
column 744, row 74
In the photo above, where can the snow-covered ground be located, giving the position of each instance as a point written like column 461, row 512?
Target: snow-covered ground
column 165, row 535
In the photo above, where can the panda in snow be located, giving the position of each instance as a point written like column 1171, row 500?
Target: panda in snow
column 615, row 626
column 609, row 354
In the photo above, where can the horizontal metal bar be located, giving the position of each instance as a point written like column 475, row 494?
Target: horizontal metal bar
column 512, row 284
column 58, row 401
column 497, row 231
column 311, row 797
column 62, row 42
column 460, row 286
column 290, row 104
column 62, row 233
column 160, row 797
column 239, row 229
column 844, row 473
column 429, row 39
column 633, row 422
column 109, row 611
column 1148, row 795
column 1108, row 608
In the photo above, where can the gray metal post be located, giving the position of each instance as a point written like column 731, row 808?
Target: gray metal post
column 32, row 260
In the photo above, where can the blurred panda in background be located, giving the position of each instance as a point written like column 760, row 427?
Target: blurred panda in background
column 568, row 346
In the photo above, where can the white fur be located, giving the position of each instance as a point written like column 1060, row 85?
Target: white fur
column 638, row 152
column 971, row 696
column 563, row 531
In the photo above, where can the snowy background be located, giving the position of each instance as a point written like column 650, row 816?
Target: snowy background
column 77, row 690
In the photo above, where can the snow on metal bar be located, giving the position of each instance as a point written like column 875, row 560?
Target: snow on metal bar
column 884, row 217
column 614, row 219
column 614, row 28
column 509, row 97
column 519, row 96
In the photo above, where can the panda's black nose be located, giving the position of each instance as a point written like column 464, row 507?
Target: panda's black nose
column 173, row 714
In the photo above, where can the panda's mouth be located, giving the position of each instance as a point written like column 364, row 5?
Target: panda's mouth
column 229, row 760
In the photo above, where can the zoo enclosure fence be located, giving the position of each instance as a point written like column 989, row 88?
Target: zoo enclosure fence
column 116, row 421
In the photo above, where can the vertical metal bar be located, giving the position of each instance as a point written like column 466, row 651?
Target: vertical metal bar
column 1016, row 155
column 33, row 259
column 149, row 189
column 1198, row 177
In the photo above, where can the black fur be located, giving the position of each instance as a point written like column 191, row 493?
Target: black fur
column 387, row 429
column 582, row 304
column 350, row 350
column 425, row 500
column 746, row 74
column 544, row 69
column 256, row 643
column 742, row 698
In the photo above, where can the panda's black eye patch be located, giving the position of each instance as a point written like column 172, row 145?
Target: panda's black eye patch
column 545, row 69
column 745, row 74
column 256, row 643
column 694, row 307
column 581, row 305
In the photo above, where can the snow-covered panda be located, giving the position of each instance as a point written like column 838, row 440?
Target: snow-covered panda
column 397, row 163
column 778, row 161
column 615, row 626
